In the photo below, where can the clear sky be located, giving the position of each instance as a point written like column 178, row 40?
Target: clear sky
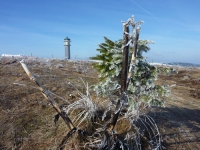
column 40, row 26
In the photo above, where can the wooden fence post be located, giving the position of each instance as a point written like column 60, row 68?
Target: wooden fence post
column 133, row 59
column 125, row 58
column 123, row 78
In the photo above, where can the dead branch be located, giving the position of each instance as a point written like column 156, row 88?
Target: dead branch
column 46, row 94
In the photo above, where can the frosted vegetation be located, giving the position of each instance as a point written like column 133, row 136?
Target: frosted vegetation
column 142, row 88
column 93, row 123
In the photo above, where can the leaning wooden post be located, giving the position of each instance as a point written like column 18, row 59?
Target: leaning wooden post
column 125, row 58
column 124, row 73
column 133, row 59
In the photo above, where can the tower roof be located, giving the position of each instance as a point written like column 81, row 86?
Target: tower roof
column 67, row 38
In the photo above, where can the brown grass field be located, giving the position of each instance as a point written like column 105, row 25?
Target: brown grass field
column 26, row 118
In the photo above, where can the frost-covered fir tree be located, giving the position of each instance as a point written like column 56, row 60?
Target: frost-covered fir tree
column 109, row 65
column 142, row 88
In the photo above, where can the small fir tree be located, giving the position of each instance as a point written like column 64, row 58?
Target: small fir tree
column 142, row 89
column 109, row 66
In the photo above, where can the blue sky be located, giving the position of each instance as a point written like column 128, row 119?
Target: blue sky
column 40, row 26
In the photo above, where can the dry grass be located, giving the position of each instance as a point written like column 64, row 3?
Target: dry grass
column 26, row 118
column 179, row 121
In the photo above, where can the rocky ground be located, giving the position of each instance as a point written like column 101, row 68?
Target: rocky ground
column 26, row 118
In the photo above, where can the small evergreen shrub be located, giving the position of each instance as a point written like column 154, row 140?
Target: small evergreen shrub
column 142, row 88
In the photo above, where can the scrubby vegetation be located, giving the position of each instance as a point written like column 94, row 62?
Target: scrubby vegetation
column 84, row 113
column 119, row 120
column 27, row 119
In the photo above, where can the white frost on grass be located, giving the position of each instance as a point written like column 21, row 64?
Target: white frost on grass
column 83, row 109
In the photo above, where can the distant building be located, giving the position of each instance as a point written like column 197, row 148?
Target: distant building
column 10, row 55
column 67, row 48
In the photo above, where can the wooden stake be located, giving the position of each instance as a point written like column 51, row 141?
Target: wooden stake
column 125, row 59
column 123, row 78
column 133, row 59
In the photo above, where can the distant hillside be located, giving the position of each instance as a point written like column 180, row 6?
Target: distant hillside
column 184, row 64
